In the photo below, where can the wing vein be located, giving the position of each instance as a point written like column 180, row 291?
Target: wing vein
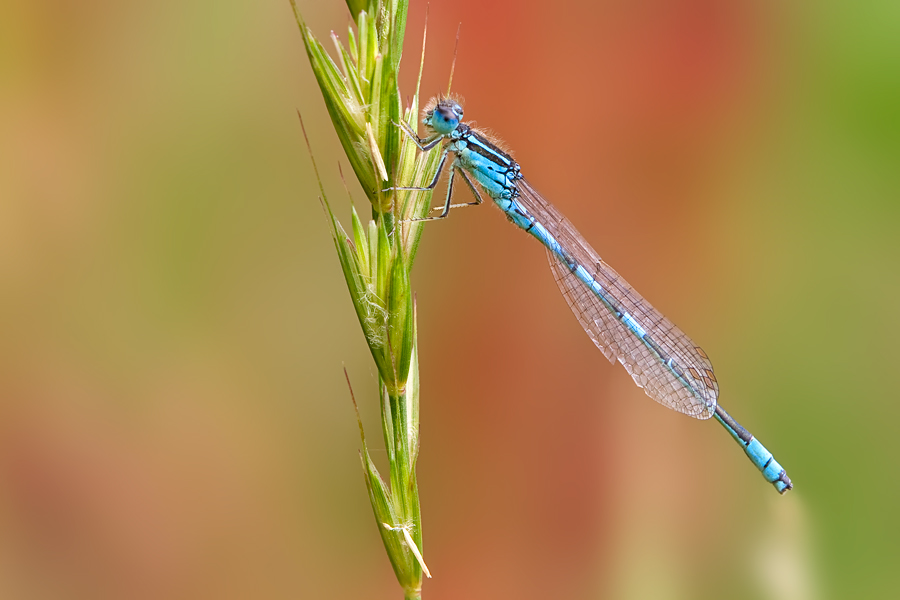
column 664, row 361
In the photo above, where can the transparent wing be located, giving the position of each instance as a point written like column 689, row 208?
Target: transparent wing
column 666, row 363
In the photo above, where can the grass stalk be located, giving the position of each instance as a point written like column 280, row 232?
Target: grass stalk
column 361, row 95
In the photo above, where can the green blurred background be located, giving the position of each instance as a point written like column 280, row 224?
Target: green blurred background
column 174, row 419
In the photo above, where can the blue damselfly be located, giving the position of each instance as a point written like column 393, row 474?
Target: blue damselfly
column 660, row 358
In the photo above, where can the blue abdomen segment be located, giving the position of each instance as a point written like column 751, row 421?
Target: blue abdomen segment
column 758, row 454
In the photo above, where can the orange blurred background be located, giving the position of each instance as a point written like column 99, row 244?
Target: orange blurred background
column 174, row 419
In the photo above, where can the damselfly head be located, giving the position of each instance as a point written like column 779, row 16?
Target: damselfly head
column 443, row 115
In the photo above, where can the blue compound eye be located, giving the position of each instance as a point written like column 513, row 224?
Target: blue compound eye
column 445, row 118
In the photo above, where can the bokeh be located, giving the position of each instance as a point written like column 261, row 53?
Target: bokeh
column 174, row 419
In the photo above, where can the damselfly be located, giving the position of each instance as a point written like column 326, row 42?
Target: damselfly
column 658, row 355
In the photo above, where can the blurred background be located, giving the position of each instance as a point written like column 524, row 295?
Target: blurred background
column 174, row 420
